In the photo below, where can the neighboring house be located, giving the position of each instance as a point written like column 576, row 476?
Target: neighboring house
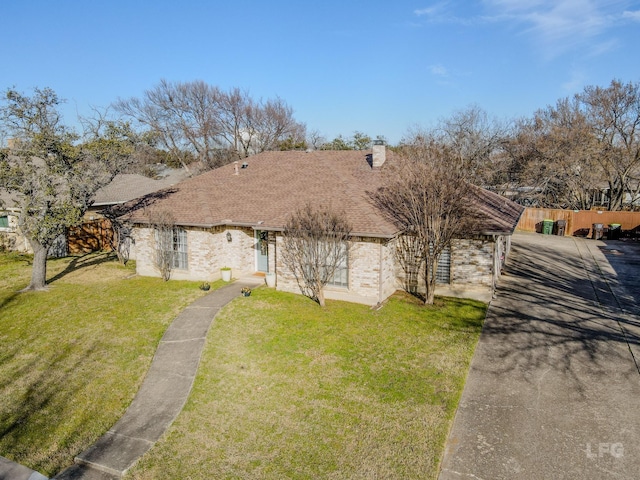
column 11, row 238
column 630, row 201
column 127, row 186
column 96, row 232
column 234, row 216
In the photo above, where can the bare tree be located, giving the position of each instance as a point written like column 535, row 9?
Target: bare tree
column 316, row 245
column 477, row 140
column 164, row 231
column 557, row 157
column 430, row 202
column 409, row 254
column 183, row 115
column 614, row 116
column 274, row 123
column 569, row 152
column 54, row 177
column 120, row 239
column 200, row 121
column 315, row 140
column 235, row 111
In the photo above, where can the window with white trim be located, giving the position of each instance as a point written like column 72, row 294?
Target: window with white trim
column 4, row 221
column 341, row 274
column 177, row 246
column 443, row 273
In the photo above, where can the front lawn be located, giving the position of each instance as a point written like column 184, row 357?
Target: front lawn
column 289, row 390
column 72, row 358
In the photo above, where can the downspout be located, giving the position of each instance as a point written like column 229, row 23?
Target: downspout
column 380, row 291
column 275, row 257
column 494, row 275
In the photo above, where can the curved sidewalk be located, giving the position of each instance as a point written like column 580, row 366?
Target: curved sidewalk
column 162, row 394
column 554, row 385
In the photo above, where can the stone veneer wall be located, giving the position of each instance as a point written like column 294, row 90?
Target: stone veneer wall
column 472, row 262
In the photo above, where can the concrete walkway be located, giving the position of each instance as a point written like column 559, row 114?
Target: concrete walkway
column 162, row 395
column 554, row 385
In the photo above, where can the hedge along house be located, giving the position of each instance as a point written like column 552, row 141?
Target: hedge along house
column 234, row 216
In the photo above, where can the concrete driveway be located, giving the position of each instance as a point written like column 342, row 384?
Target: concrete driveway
column 554, row 386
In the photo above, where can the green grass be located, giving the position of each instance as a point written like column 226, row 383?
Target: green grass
column 72, row 358
column 289, row 390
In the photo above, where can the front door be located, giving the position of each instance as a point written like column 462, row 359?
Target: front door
column 262, row 251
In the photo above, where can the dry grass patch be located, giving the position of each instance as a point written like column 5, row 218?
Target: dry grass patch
column 289, row 390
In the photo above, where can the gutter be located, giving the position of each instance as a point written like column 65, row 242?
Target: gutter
column 265, row 228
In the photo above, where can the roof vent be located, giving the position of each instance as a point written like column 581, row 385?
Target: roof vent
column 245, row 164
column 235, row 168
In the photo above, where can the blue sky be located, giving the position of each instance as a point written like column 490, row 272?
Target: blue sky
column 380, row 67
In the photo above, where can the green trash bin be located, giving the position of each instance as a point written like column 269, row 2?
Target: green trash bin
column 547, row 227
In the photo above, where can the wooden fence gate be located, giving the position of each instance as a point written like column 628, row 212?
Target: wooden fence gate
column 91, row 236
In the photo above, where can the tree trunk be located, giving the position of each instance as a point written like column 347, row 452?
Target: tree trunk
column 431, row 267
column 431, row 292
column 39, row 270
column 321, row 297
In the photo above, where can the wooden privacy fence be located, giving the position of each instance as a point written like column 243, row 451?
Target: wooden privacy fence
column 90, row 237
column 579, row 222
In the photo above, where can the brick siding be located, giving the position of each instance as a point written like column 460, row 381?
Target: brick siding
column 374, row 273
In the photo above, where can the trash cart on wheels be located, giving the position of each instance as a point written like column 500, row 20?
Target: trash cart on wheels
column 597, row 231
column 547, row 227
column 561, row 226
column 615, row 231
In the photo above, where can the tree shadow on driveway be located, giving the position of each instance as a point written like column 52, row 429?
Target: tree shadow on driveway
column 554, row 311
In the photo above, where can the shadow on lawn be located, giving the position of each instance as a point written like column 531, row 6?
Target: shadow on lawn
column 84, row 261
column 554, row 311
column 77, row 263
column 46, row 398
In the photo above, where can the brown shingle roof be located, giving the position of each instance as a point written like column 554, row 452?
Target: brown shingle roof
column 275, row 184
column 500, row 215
column 127, row 186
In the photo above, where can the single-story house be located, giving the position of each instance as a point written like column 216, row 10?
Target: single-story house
column 234, row 216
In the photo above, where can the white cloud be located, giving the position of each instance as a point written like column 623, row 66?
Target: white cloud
column 434, row 10
column 632, row 15
column 554, row 26
column 438, row 70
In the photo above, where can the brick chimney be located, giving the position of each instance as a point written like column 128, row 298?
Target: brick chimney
column 379, row 153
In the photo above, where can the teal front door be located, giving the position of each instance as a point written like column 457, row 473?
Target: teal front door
column 262, row 251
